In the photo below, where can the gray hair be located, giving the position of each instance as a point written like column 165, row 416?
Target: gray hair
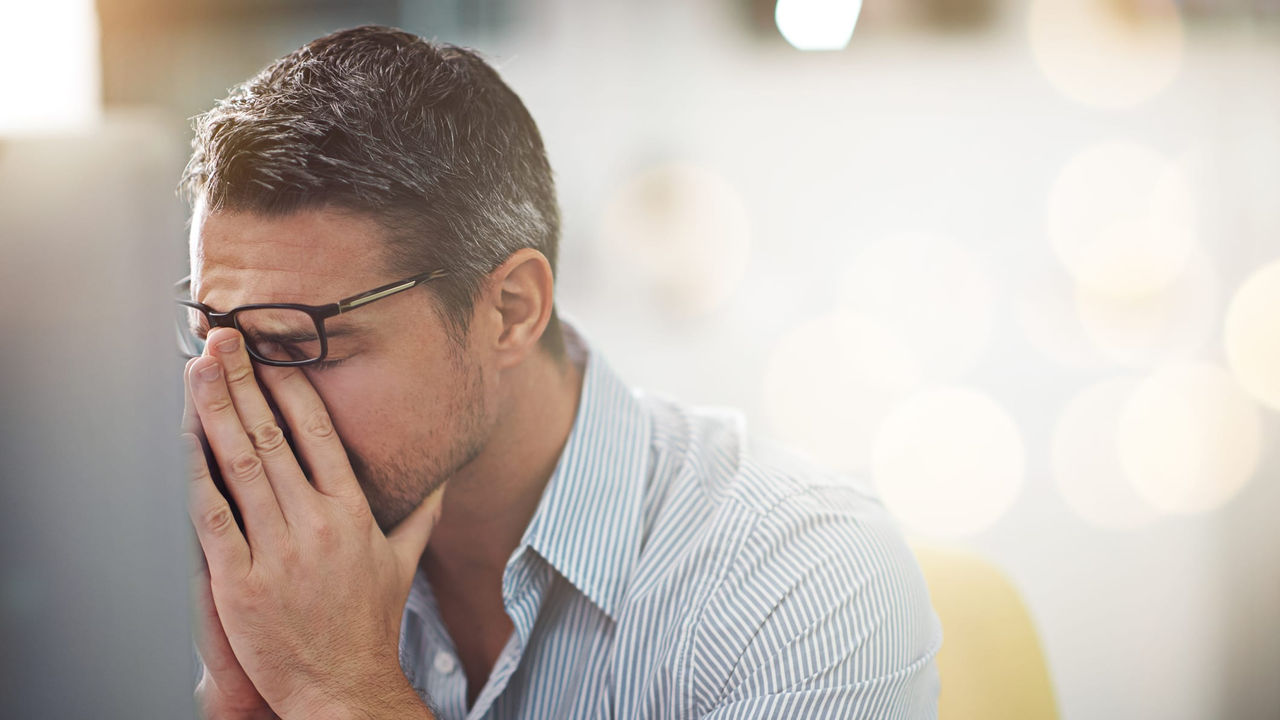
column 424, row 137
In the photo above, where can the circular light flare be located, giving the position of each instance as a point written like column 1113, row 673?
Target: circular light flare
column 830, row 382
column 817, row 24
column 949, row 462
column 1121, row 219
column 1174, row 323
column 1086, row 460
column 687, row 229
column 1105, row 53
column 1252, row 335
column 1047, row 314
column 934, row 293
column 1189, row 438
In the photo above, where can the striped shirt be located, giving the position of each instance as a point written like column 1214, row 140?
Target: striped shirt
column 674, row 570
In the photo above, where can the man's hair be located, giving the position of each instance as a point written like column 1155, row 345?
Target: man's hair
column 424, row 137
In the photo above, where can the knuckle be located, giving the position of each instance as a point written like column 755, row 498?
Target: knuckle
column 198, row 472
column 319, row 425
column 267, row 437
column 246, row 467
column 323, row 530
column 239, row 375
column 357, row 510
column 219, row 520
column 220, row 404
column 197, row 467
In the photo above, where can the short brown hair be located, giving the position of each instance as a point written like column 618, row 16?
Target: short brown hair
column 425, row 137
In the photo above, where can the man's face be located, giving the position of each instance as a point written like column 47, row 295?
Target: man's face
column 410, row 405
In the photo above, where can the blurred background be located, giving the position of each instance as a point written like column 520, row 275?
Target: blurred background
column 1016, row 262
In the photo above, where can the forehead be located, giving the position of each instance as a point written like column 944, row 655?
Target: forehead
column 311, row 256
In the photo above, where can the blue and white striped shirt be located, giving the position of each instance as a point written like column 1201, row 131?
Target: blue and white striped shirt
column 672, row 570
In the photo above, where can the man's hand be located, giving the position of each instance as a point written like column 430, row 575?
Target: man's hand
column 310, row 595
column 224, row 692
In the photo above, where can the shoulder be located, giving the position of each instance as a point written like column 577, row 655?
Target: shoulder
column 814, row 588
column 709, row 452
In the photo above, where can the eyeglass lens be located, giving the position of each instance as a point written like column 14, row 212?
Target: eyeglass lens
column 276, row 334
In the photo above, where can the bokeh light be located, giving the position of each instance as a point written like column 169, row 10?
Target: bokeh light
column 1173, row 323
column 1047, row 314
column 1086, row 459
column 948, row 462
column 1121, row 219
column 933, row 292
column 1107, row 53
column 817, row 24
column 831, row 381
column 49, row 66
column 686, row 228
column 1189, row 438
column 1253, row 335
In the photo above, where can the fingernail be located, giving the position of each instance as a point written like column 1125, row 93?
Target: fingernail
column 209, row 372
column 229, row 345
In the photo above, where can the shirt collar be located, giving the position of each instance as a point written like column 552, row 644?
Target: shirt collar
column 587, row 523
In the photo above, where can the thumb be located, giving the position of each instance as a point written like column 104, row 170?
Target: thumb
column 409, row 538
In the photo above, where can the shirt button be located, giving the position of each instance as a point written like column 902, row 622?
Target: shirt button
column 444, row 663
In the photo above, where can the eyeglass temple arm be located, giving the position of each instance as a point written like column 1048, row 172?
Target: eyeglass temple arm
column 378, row 293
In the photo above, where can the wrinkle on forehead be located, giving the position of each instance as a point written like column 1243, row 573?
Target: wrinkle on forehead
column 231, row 286
column 313, row 257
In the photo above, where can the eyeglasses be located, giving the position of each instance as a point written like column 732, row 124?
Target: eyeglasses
column 282, row 334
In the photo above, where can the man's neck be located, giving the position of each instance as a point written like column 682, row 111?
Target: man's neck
column 489, row 503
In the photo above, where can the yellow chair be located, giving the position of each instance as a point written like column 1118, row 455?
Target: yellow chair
column 991, row 664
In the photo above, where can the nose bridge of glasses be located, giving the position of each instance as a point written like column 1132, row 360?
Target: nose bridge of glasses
column 226, row 319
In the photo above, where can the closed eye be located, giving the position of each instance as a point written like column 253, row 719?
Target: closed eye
column 326, row 364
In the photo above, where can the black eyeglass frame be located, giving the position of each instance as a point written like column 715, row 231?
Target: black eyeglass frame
column 318, row 313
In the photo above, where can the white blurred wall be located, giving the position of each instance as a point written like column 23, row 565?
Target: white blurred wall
column 955, row 143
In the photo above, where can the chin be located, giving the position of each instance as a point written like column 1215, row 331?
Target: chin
column 392, row 496
column 395, row 489
column 391, row 511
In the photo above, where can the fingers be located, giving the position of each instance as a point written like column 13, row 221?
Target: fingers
column 242, row 469
column 409, row 538
column 264, row 433
column 211, row 516
column 225, row 549
column 190, row 421
column 216, row 655
column 210, row 644
column 313, row 434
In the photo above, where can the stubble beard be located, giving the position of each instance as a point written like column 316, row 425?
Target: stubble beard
column 396, row 486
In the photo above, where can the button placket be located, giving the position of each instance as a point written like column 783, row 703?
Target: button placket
column 446, row 690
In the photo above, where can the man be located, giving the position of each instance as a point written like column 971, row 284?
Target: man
column 466, row 513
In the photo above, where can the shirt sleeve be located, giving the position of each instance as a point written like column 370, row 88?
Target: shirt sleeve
column 825, row 614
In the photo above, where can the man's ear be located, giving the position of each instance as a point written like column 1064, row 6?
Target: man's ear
column 520, row 293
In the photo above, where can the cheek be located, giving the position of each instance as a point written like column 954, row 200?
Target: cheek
column 379, row 411
column 361, row 403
